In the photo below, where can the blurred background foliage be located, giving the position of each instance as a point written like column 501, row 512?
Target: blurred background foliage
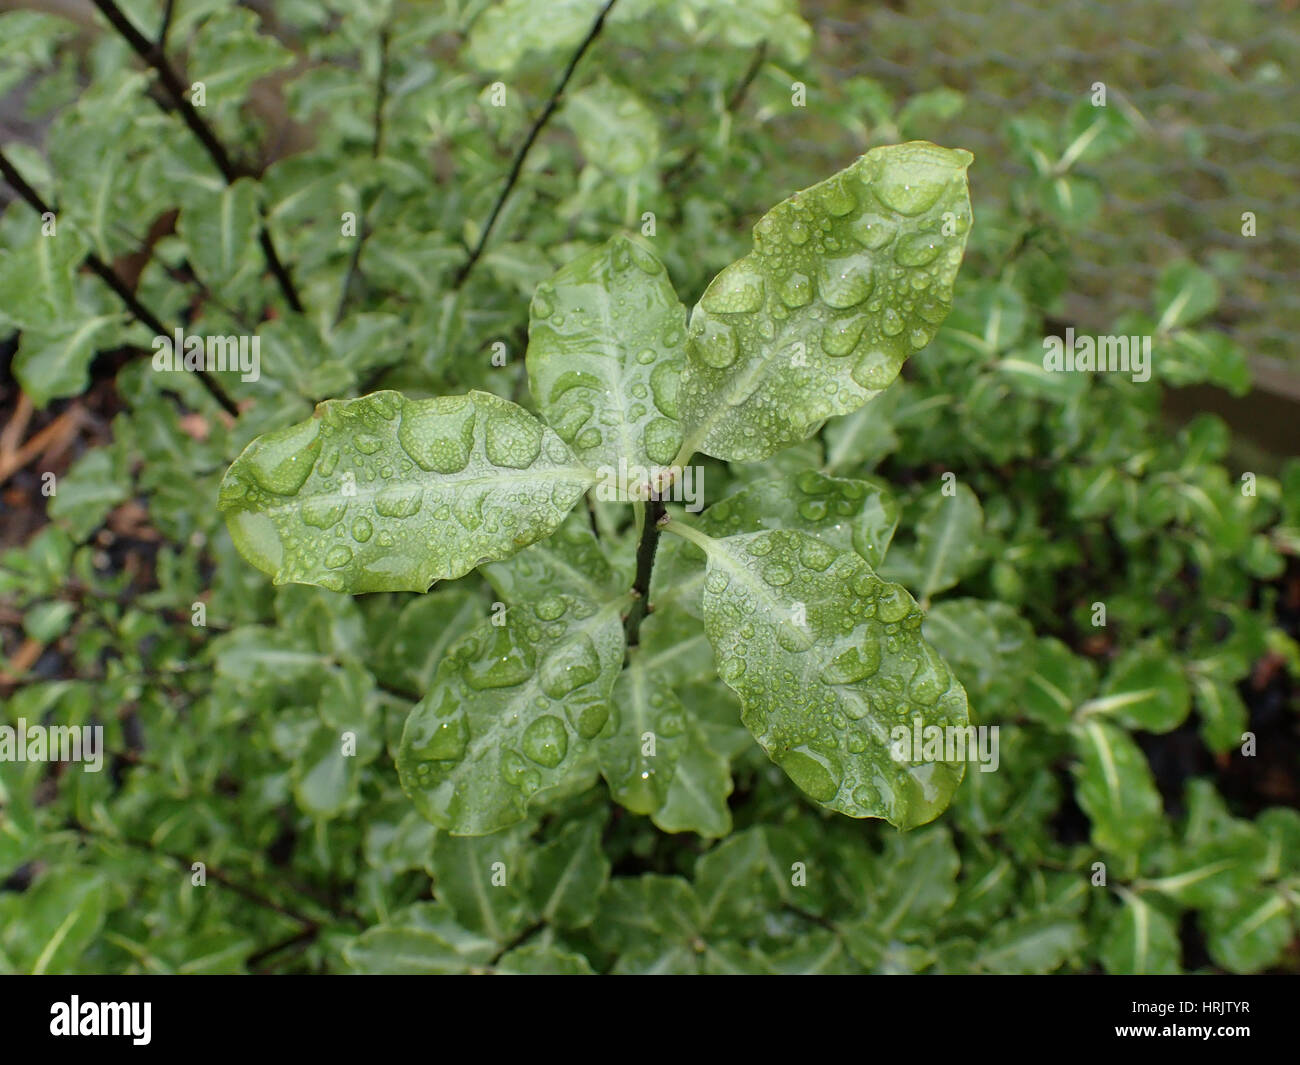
column 1175, row 503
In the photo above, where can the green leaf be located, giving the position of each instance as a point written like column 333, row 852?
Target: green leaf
column 1184, row 295
column 658, row 760
column 482, row 880
column 1115, row 788
column 947, row 547
column 96, row 483
column 985, row 643
column 1223, row 713
column 61, row 916
column 1059, row 682
column 1251, row 933
column 1035, row 943
column 55, row 362
column 832, row 673
column 571, row 561
column 652, row 922
column 509, row 30
column 537, row 959
column 616, row 131
column 605, row 347
column 37, row 277
column 849, row 514
column 325, row 780
column 423, row 938
column 220, row 231
column 1140, row 940
column 567, row 875
column 512, row 715
column 1145, row 689
column 846, row 280
column 385, row 493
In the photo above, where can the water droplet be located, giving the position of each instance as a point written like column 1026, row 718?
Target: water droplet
column 551, row 607
column 362, row 530
column 796, row 290
column 399, row 500
column 322, row 512
column 815, row 773
column 438, row 433
column 816, row 555
column 664, row 380
column 793, row 638
column 570, row 666
column 503, row 664
column 840, row 337
column 714, row 343
column 338, row 556
column 917, row 249
column 546, row 741
column 872, row 231
column 737, row 290
column 442, row 740
column 646, row 356
column 281, row 461
column 367, row 443
column 512, row 439
column 893, row 603
column 844, row 282
column 661, row 439
column 891, row 323
column 855, row 664
column 797, row 231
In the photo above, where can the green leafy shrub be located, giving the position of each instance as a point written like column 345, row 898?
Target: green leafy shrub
column 620, row 733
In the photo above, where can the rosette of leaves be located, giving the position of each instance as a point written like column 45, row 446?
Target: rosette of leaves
column 774, row 592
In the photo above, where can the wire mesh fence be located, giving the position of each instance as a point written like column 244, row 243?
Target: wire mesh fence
column 1214, row 84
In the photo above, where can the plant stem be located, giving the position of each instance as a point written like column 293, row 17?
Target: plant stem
column 655, row 518
column 106, row 274
column 152, row 54
column 517, row 167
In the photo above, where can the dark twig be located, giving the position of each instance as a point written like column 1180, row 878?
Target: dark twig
column 517, row 167
column 153, row 55
column 106, row 274
column 376, row 150
column 645, row 561
column 734, row 102
column 168, row 11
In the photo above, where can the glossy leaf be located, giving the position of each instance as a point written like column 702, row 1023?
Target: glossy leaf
column 1115, row 789
column 567, row 876
column 1252, row 932
column 386, row 493
column 425, row 938
column 1140, row 940
column 846, row 280
column 606, row 340
column 947, row 547
column 616, row 131
column 482, row 880
column 513, row 715
column 658, row 760
column 850, row 514
column 828, row 660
